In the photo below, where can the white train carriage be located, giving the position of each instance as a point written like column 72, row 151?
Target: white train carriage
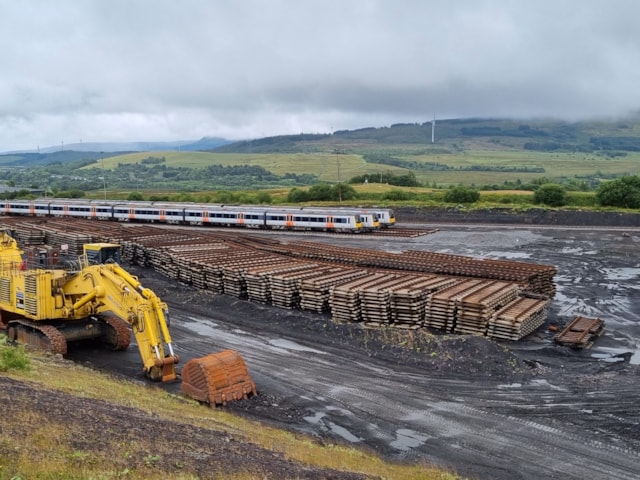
column 24, row 207
column 386, row 216
column 148, row 212
column 222, row 215
column 167, row 212
column 370, row 220
column 78, row 209
column 308, row 220
column 210, row 215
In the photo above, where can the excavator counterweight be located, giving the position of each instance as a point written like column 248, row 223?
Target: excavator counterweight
column 48, row 306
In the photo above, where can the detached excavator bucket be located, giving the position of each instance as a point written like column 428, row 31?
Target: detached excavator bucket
column 217, row 378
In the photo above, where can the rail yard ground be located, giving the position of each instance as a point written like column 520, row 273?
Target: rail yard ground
column 498, row 410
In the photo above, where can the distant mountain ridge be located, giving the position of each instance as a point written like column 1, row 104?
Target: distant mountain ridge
column 449, row 135
column 205, row 143
column 622, row 135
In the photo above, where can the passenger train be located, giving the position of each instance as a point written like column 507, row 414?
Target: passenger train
column 249, row 216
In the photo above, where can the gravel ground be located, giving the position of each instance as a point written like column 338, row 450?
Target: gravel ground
column 499, row 410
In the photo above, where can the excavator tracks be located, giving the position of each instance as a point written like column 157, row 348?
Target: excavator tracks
column 42, row 337
column 118, row 335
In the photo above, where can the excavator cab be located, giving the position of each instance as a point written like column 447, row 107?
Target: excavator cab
column 102, row 253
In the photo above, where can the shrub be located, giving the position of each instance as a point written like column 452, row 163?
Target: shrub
column 623, row 192
column 461, row 195
column 264, row 198
column 397, row 195
column 135, row 196
column 296, row 195
column 550, row 194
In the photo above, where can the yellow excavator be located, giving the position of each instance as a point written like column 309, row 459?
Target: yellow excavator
column 92, row 297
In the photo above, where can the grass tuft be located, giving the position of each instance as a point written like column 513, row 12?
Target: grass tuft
column 13, row 357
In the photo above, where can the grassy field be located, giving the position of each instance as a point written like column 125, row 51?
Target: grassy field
column 328, row 167
column 332, row 168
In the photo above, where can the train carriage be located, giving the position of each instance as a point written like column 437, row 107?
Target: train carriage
column 386, row 216
column 77, row 208
column 369, row 219
column 22, row 207
column 297, row 219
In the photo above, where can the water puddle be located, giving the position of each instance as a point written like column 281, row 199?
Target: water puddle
column 333, row 427
column 407, row 439
column 343, row 432
column 203, row 327
column 289, row 345
column 614, row 355
column 508, row 255
column 621, row 273
column 316, row 418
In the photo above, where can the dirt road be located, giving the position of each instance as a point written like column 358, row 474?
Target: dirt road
column 526, row 410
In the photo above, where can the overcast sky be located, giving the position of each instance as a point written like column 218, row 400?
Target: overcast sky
column 149, row 70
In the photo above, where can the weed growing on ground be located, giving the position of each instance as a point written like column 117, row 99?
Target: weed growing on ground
column 13, row 357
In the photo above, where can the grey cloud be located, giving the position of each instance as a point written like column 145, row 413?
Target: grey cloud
column 124, row 70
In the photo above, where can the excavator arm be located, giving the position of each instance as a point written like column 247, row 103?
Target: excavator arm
column 110, row 288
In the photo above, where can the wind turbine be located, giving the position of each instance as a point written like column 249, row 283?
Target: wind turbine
column 433, row 129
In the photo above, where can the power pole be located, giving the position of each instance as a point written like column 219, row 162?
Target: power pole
column 339, row 182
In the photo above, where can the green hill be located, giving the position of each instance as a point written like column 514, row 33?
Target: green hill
column 489, row 153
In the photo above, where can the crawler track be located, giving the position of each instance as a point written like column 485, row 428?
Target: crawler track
column 42, row 337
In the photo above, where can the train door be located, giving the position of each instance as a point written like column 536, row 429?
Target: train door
column 330, row 222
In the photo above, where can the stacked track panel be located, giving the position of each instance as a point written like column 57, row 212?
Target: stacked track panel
column 259, row 280
column 442, row 306
column 325, row 278
column 476, row 309
column 408, row 302
column 519, row 318
column 315, row 292
column 345, row 299
column 285, row 286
